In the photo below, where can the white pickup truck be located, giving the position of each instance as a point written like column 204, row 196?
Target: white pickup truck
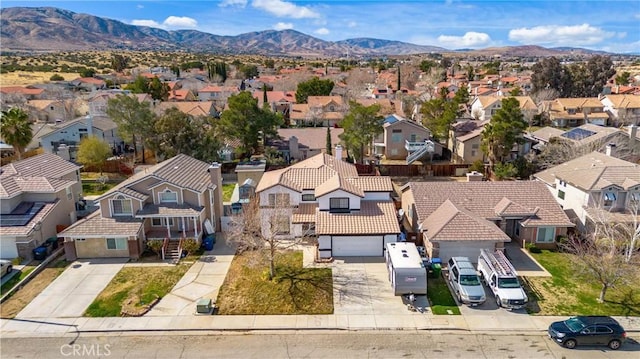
column 501, row 278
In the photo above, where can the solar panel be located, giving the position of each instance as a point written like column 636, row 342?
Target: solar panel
column 20, row 218
column 578, row 134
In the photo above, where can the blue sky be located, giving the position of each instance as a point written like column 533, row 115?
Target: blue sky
column 610, row 25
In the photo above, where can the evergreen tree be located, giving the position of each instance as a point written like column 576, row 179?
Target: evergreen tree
column 361, row 125
column 503, row 131
column 328, row 141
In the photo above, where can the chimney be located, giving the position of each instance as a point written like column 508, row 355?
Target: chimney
column 338, row 152
column 215, row 174
column 294, row 148
column 611, row 148
column 633, row 135
column 63, row 151
column 90, row 124
column 474, row 176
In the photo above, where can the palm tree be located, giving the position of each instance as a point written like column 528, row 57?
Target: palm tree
column 16, row 129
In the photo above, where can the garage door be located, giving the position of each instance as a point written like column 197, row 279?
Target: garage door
column 357, row 246
column 8, row 248
column 470, row 249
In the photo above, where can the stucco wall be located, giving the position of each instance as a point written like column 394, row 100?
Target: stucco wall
column 324, row 201
column 96, row 248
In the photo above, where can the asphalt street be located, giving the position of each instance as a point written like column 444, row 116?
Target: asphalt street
column 306, row 344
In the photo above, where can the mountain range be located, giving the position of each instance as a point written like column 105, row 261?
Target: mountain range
column 54, row 29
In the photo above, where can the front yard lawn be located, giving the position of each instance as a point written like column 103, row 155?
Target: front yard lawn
column 294, row 290
column 134, row 288
column 227, row 191
column 569, row 293
column 440, row 298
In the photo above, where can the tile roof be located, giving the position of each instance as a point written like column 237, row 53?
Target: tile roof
column 21, row 90
column 450, row 222
column 28, row 228
column 307, row 174
column 194, row 108
column 373, row 183
column 593, row 171
column 133, row 193
column 314, row 101
column 546, row 133
column 181, row 170
column 169, row 209
column 315, row 138
column 42, row 165
column 624, row 101
column 482, row 199
column 96, row 225
column 373, row 218
column 335, row 183
column 305, row 213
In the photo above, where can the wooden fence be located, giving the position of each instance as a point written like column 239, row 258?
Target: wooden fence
column 437, row 170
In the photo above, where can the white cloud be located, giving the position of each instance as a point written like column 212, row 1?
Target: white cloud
column 470, row 39
column 322, row 31
column 281, row 8
column 637, row 16
column 239, row 3
column 140, row 6
column 170, row 22
column 559, row 35
column 150, row 23
column 180, row 21
column 352, row 24
column 283, row 26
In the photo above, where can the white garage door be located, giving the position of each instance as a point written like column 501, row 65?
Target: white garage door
column 357, row 246
column 8, row 248
column 470, row 249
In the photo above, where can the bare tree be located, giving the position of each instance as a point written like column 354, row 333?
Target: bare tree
column 267, row 229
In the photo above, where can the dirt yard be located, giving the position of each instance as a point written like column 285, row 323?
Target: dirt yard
column 19, row 78
column 25, row 295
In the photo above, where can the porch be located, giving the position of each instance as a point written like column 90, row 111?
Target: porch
column 173, row 235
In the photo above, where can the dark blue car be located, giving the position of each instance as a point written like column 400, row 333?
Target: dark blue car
column 588, row 330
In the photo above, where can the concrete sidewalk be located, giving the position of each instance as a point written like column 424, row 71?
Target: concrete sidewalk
column 44, row 327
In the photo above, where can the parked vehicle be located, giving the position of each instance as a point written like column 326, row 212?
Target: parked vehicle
column 502, row 279
column 464, row 281
column 5, row 267
column 588, row 330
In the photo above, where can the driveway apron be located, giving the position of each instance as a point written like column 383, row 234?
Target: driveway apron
column 74, row 290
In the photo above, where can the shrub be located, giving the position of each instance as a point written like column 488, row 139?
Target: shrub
column 190, row 245
column 533, row 248
column 56, row 77
column 155, row 246
column 477, row 166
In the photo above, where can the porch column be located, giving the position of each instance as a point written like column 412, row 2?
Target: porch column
column 184, row 230
column 195, row 227
column 168, row 228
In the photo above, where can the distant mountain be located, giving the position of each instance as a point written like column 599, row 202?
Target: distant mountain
column 53, row 29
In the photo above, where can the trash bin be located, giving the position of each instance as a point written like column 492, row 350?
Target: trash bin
column 208, row 242
column 436, row 270
column 40, row 253
column 53, row 242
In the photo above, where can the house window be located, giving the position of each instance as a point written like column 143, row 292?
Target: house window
column 560, row 194
column 413, row 138
column 278, row 199
column 396, row 136
column 121, row 206
column 69, row 194
column 280, row 225
column 308, row 197
column 635, row 197
column 161, row 222
column 546, row 234
column 475, row 146
column 340, row 205
column 168, row 196
column 609, row 198
column 394, row 152
column 116, row 243
column 474, row 153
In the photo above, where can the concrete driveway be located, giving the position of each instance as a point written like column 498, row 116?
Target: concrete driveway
column 74, row 290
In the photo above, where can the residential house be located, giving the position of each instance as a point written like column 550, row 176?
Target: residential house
column 326, row 111
column 465, row 139
column 48, row 110
column 593, row 183
column 324, row 197
column 97, row 102
column 278, row 101
column 193, row 83
column 402, row 137
column 218, row 94
column 193, row 108
column 88, row 84
column 461, row 218
column 295, row 144
column 176, row 199
column 622, row 109
column 484, row 107
column 26, row 92
column 182, row 95
column 69, row 134
column 37, row 195
column 573, row 112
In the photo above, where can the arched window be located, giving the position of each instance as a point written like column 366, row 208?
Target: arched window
column 168, row 196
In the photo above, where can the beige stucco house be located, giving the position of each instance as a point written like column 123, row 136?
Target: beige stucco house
column 399, row 138
column 176, row 199
column 572, row 112
column 325, row 111
column 460, row 218
column 465, row 139
column 37, row 195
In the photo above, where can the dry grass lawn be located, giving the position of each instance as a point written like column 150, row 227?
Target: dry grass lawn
column 134, row 288
column 12, row 306
column 294, row 290
column 21, row 78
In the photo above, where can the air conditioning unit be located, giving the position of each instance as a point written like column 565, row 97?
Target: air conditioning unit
column 204, row 306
